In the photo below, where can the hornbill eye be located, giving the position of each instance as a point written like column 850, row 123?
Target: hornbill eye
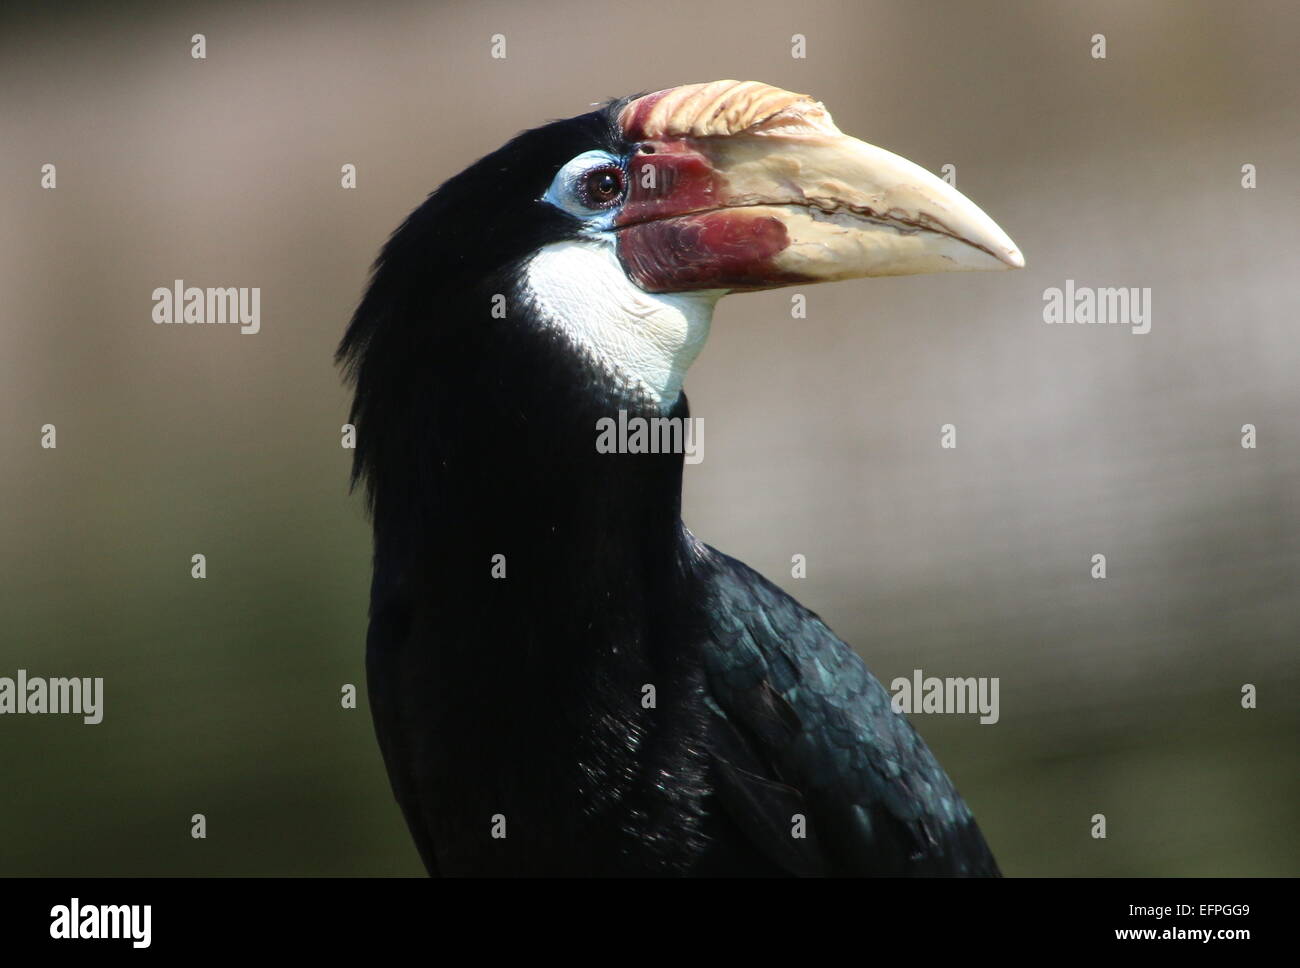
column 589, row 186
column 602, row 186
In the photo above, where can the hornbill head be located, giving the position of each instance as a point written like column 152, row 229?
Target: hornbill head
column 611, row 235
column 732, row 186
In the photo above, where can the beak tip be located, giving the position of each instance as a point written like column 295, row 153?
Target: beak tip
column 1013, row 258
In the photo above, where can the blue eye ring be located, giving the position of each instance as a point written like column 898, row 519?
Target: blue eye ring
column 589, row 186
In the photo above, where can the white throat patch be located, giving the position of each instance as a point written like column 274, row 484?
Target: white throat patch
column 648, row 340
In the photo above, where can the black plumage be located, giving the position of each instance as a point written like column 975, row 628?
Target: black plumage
column 521, row 698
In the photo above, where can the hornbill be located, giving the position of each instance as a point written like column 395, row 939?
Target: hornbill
column 564, row 680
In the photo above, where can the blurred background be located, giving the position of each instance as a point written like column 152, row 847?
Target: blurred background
column 1119, row 697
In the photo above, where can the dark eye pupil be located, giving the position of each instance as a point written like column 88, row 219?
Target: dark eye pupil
column 604, row 185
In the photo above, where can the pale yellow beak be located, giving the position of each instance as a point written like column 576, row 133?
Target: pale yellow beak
column 739, row 185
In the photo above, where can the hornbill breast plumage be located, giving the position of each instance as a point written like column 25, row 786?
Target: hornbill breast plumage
column 563, row 679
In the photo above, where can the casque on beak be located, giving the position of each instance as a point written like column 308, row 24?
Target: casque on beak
column 737, row 185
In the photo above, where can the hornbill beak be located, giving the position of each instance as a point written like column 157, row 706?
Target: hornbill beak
column 737, row 185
